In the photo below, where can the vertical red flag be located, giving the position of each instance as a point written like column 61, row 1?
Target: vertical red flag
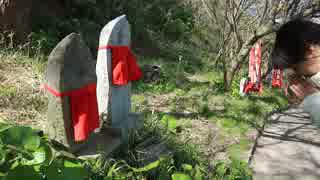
column 277, row 80
column 255, row 68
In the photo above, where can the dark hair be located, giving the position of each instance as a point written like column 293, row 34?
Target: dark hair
column 291, row 41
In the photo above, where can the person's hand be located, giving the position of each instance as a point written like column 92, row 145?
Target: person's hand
column 299, row 88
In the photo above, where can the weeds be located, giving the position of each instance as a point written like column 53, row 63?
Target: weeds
column 236, row 170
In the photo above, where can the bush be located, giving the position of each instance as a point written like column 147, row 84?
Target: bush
column 167, row 18
column 24, row 153
column 236, row 170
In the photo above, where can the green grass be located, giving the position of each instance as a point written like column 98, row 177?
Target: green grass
column 233, row 127
column 12, row 97
column 235, row 116
column 19, row 58
column 236, row 150
column 8, row 91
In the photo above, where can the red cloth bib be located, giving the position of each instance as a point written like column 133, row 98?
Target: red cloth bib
column 84, row 109
column 277, row 80
column 124, row 65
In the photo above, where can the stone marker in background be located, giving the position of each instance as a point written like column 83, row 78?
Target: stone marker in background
column 114, row 101
column 71, row 68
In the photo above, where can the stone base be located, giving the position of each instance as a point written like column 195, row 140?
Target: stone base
column 107, row 139
column 150, row 150
column 100, row 143
column 104, row 141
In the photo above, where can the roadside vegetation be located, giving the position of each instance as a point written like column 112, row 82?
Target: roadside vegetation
column 194, row 127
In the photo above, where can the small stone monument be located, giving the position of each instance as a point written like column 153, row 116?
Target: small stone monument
column 70, row 81
column 114, row 100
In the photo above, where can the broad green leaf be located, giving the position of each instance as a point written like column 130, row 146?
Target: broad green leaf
column 3, row 155
column 21, row 137
column 164, row 120
column 147, row 167
column 172, row 124
column 32, row 141
column 14, row 165
column 66, row 170
column 169, row 122
column 49, row 153
column 187, row 167
column 39, row 156
column 23, row 172
column 180, row 176
column 4, row 127
column 221, row 168
column 37, row 168
column 69, row 164
column 2, row 174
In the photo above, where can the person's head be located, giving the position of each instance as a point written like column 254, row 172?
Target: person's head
column 297, row 49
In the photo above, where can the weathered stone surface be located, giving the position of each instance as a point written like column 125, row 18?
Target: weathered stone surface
column 70, row 66
column 151, row 150
column 115, row 33
column 100, row 143
column 113, row 101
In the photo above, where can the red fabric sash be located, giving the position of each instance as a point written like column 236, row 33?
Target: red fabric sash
column 277, row 80
column 84, row 109
column 124, row 65
column 255, row 83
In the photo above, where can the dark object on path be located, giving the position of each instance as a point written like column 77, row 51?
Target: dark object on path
column 151, row 73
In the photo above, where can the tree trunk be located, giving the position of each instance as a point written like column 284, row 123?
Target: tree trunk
column 243, row 53
column 15, row 16
column 228, row 78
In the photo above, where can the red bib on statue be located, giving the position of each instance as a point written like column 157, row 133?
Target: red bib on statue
column 124, row 65
column 84, row 109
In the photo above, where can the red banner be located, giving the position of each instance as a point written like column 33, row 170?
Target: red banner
column 277, row 80
column 255, row 82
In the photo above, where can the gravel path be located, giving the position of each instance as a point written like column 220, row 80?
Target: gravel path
column 288, row 148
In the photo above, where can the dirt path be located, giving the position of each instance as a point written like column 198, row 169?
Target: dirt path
column 21, row 100
column 288, row 148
